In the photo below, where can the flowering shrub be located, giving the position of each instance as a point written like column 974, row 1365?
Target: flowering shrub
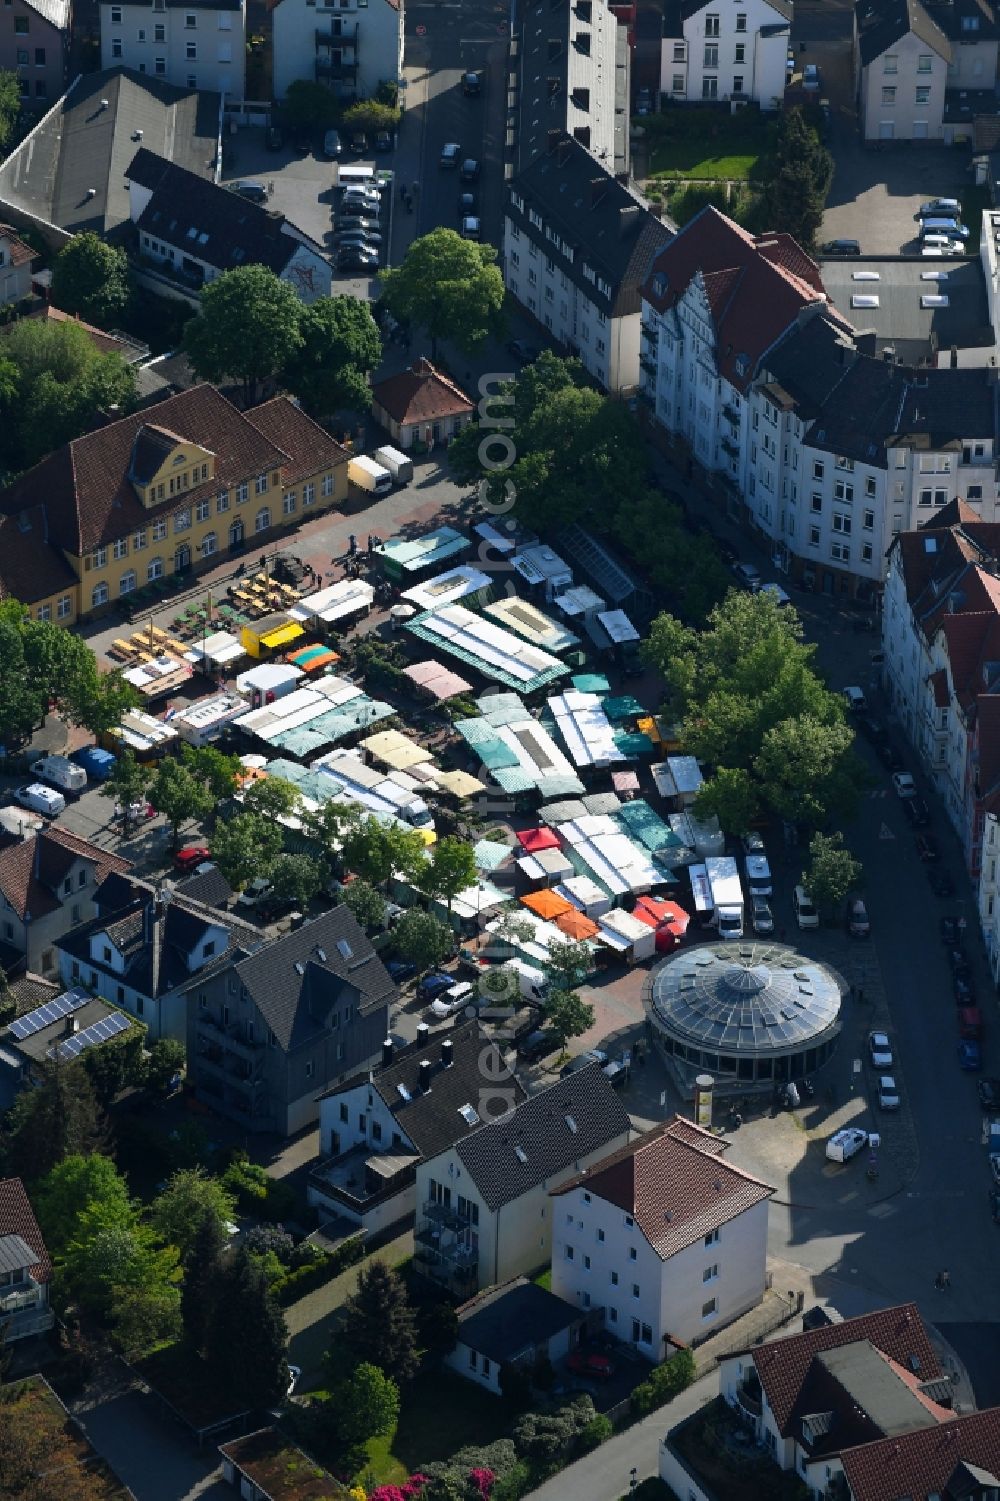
column 483, row 1479
column 409, row 1491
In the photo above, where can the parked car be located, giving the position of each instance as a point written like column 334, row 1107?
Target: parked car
column 904, row 785
column 941, row 245
column 192, row 855
column 254, row 894
column 761, row 915
column 856, row 700
column 468, row 203
column 940, row 882
column 753, row 843
column 590, row 1363
column 871, row 728
column 333, row 146
column 917, row 812
column 970, row 1055
column 451, row 154
column 537, row 1044
column 747, row 576
column 805, row 911
column 357, row 258
column 357, row 192
column 958, row 959
column 889, row 755
column 583, row 1060
column 888, row 1094
column 927, row 847
column 471, row 228
column 858, row 924
column 846, row 1143
column 400, row 970
column 758, row 875
column 811, row 78
column 841, row 247
column 937, row 208
column 470, row 170
column 777, row 594
column 879, row 1050
column 452, row 1000
column 964, row 990
column 472, row 85
column 254, row 192
column 383, row 140
column 950, row 931
column 522, row 351
column 989, row 1093
column 433, row 985
column 40, row 799
column 275, row 138
column 367, row 223
column 359, row 143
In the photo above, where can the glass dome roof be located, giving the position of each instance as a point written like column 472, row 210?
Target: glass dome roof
column 746, row 998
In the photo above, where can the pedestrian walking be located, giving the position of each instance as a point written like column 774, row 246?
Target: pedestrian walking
column 352, row 545
column 945, row 1280
column 402, row 192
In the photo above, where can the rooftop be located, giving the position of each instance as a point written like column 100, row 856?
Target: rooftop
column 422, row 393
column 953, row 1458
column 279, row 1470
column 883, row 23
column 506, row 1322
column 17, row 1219
column 887, row 297
column 34, row 871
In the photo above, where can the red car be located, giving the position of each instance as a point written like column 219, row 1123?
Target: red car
column 190, row 856
column 590, row 1363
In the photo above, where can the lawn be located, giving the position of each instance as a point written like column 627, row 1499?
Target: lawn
column 709, row 144
column 439, row 1417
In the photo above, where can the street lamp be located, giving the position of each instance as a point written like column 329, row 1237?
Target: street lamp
column 633, row 1480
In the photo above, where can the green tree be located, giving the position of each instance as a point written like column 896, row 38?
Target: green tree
column 127, row 785
column 379, row 1326
column 10, row 108
column 375, row 851
column 245, row 847
column 568, row 964
column 449, row 286
column 567, row 1015
column 807, row 771
column 117, row 1064
column 144, row 1317
column 309, row 106
column 367, row 904
column 370, row 115
column 202, row 1273
column 365, row 1405
column 90, row 278
column 179, row 1210
column 686, row 570
column 99, row 701
column 296, row 878
column 58, row 1119
column 248, row 328
column 329, row 823
column 218, row 771
column 166, row 1058
column 103, row 1260
column 421, row 939
column 246, row 1337
column 341, row 346
column 178, row 794
column 81, row 1196
column 272, row 797
column 23, row 701
column 450, row 870
column 730, row 795
column 832, row 873
column 799, row 179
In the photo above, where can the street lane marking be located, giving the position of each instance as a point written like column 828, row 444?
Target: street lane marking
column 885, row 832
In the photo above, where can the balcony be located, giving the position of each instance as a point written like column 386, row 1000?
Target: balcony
column 729, row 447
column 362, row 1179
column 648, row 362
column 325, row 37
column 749, row 1398
column 444, row 1215
column 731, row 415
column 651, row 333
column 337, row 72
column 25, row 1310
column 456, row 1255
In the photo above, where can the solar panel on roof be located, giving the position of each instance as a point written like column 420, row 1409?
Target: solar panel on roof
column 46, row 1014
column 101, row 1031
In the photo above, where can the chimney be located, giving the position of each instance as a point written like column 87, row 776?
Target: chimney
column 387, row 1052
column 423, row 1032
column 954, row 357
column 447, row 1049
column 72, row 1025
column 424, row 1072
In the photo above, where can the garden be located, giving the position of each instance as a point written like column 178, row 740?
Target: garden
column 707, row 145
column 722, row 1452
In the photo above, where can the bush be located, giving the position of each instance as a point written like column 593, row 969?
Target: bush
column 256, row 1192
column 664, row 1384
column 270, row 1238
column 596, row 1432
column 550, row 1436
column 305, row 1279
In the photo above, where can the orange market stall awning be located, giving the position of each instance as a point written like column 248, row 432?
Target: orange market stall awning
column 533, row 840
column 575, row 925
column 546, row 904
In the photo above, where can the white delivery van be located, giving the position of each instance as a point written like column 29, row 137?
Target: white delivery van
column 399, row 465
column 62, row 773
column 727, row 895
column 367, row 475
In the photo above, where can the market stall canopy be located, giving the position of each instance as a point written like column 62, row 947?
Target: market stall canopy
column 591, row 682
column 313, row 657
column 218, row 649
column 159, row 677
column 436, row 680
column 656, row 913
column 347, row 597
column 546, row 904
column 395, row 750
column 537, row 839
column 460, row 783
column 576, row 926
column 622, row 708
column 625, row 781
column 446, row 588
column 618, row 626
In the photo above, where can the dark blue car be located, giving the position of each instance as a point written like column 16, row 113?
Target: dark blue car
column 431, row 986
column 400, row 970
column 970, row 1055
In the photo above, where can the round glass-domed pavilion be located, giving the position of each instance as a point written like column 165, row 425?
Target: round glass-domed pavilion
column 748, row 1012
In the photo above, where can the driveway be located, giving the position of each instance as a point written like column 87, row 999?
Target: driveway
column 152, row 1456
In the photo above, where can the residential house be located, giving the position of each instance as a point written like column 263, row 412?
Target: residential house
column 711, row 52
column 517, row 1324
column 266, row 1466
column 664, row 1237
column 420, row 405
column 902, row 61
column 25, row 1268
column 852, row 1408
column 578, row 247
column 483, row 1204
column 195, row 230
column 146, row 950
column 166, row 490
column 34, row 44
column 351, row 46
column 88, row 138
column 376, row 1128
column 195, row 44
column 15, row 266
column 48, row 886
column 61, row 1027
column 271, row 1031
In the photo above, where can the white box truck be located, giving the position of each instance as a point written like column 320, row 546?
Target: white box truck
column 727, row 895
column 399, row 465
column 61, row 772
column 367, row 475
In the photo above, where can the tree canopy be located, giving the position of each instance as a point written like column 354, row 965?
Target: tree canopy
column 341, row 346
column 179, row 795
column 375, row 850
column 832, row 873
column 450, row 869
column 177, row 1212
column 247, row 329
column 798, row 180
column 421, row 939
column 379, row 1327
column 245, row 847
column 58, row 1119
column 90, row 278
column 10, row 107
column 246, row 1336
column 449, row 286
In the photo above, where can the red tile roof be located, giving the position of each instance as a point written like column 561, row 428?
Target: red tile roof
column 921, row 1463
column 784, row 1364
column 18, row 1218
column 32, row 871
column 30, row 569
column 309, row 447
column 756, row 286
column 674, row 1184
column 421, row 394
column 20, row 253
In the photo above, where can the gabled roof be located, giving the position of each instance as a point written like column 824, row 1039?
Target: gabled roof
column 965, row 20
column 923, row 1463
column 55, row 12
column 545, row 1135
column 689, row 8
column 675, row 1185
column 309, row 446
column 297, row 978
column 32, row 871
column 421, row 394
column 503, row 1322
column 30, row 569
column 436, row 1118
column 18, row 1218
column 210, row 222
column 18, row 252
column 883, row 23
column 784, row 1364
column 757, row 286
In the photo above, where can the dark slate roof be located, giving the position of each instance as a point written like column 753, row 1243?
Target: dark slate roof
column 432, row 1120
column 966, row 21
column 503, row 1322
column 15, row 1254
column 883, row 23
column 31, row 990
column 523, row 1150
column 210, row 222
column 612, row 230
column 297, row 978
column 37, row 1045
column 912, row 332
column 689, row 8
column 210, row 887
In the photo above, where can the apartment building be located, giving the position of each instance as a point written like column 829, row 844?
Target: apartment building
column 48, row 886
column 195, row 44
column 902, row 62
column 34, row 45
column 15, row 266
column 712, row 52
column 350, row 45
column 166, row 490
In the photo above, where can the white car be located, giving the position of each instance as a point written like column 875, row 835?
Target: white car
column 904, row 784
column 888, row 1094
column 453, row 1000
column 40, row 799
column 880, row 1050
column 255, row 893
column 805, row 912
column 761, row 915
column 846, row 1143
column 777, row 594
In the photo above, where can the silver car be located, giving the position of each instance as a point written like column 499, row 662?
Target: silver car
column 762, row 917
column 888, row 1094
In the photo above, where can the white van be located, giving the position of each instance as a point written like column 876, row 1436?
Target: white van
column 61, row 772
column 805, row 912
column 40, row 799
column 399, row 465
column 356, row 177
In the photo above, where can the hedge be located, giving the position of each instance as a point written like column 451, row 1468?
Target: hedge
column 664, row 1383
column 305, row 1279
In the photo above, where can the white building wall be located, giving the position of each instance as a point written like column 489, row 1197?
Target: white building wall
column 722, row 55
column 909, row 66
column 729, row 1273
column 379, row 42
column 988, row 893
column 594, row 71
column 159, row 42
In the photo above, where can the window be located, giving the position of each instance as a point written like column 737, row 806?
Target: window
column 818, row 469
column 116, row 47
column 712, row 1238
column 840, row 552
column 679, row 52
column 629, row 1221
column 126, row 583
column 633, row 1254
column 678, row 83
column 711, row 26
column 600, row 1235
column 635, row 1289
column 711, row 54
column 222, row 501
column 242, row 493
column 288, row 504
column 23, row 57
column 710, row 1309
column 159, row 530
column 814, row 536
column 20, row 26
column 646, row 1335
column 868, row 520
column 260, row 484
column 160, row 67
column 182, row 520
column 120, row 549
column 309, row 1069
column 841, row 523
column 568, row 1252
column 190, row 22
column 262, row 520
column 870, row 487
column 139, row 541
column 116, row 15
column 327, row 486
column 44, row 612
column 99, row 595
column 308, row 494
column 709, row 88
column 100, row 557
column 925, row 498
column 159, row 33
column 209, row 544
column 710, row 1273
column 64, row 607
column 889, row 95
column 923, row 95
column 586, row 1263
column 202, row 510
column 924, row 62
column 39, row 57
column 815, row 502
column 866, row 553
column 154, row 569
column 974, row 492
column 614, row 1279
column 741, row 53
column 890, row 63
